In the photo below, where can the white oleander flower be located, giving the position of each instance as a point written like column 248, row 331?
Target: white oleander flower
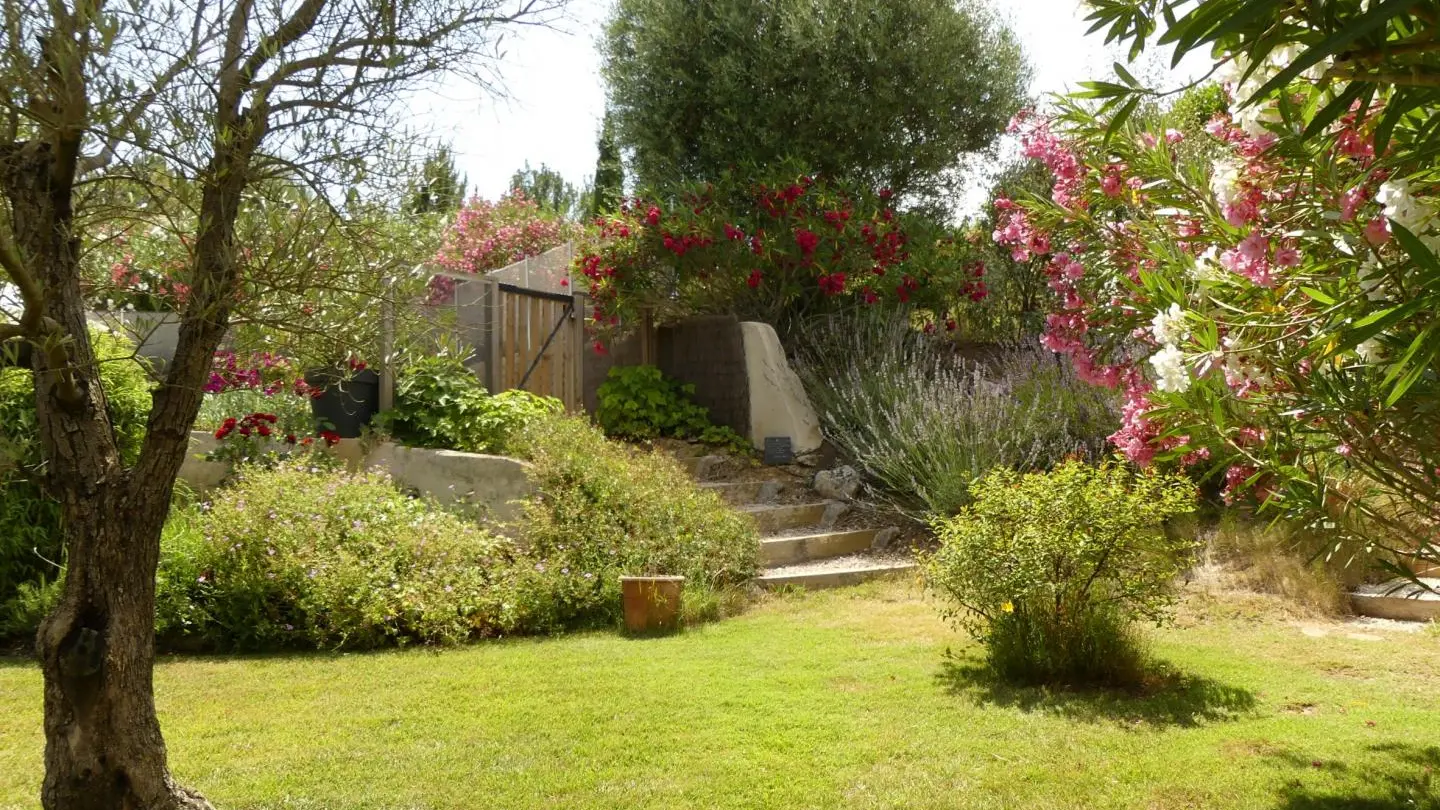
column 1401, row 205
column 1168, row 325
column 1372, row 280
column 1170, row 371
column 1225, row 180
column 1370, row 351
column 1206, row 268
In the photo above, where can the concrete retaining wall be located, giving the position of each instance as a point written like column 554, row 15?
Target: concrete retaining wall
column 494, row 483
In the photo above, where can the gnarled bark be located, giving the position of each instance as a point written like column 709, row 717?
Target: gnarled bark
column 103, row 744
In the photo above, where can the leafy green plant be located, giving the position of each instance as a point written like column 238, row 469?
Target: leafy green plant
column 30, row 542
column 440, row 403
column 507, row 413
column 603, row 509
column 436, row 401
column 1051, row 570
column 640, row 402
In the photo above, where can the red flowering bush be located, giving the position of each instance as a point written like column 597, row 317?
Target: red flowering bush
column 771, row 251
column 1267, row 301
column 488, row 236
column 138, row 268
column 258, row 406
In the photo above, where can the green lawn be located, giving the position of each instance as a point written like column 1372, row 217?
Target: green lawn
column 838, row 699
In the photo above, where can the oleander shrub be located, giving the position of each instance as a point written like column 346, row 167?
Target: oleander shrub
column 604, row 509
column 1051, row 571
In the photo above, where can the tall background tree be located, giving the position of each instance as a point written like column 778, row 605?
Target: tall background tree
column 226, row 96
column 608, row 187
column 890, row 94
column 549, row 189
column 440, row 188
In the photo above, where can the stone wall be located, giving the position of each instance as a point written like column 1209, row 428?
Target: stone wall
column 709, row 354
column 496, row 483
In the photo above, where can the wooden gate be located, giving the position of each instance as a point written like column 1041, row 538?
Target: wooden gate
column 535, row 342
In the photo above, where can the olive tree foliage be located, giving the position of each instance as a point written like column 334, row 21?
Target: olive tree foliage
column 889, row 94
column 225, row 97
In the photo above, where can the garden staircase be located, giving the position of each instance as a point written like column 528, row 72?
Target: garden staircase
column 804, row 540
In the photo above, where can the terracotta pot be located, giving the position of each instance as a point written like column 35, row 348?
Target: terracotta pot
column 652, row 604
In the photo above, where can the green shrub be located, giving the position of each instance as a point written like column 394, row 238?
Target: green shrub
column 30, row 543
column 640, row 403
column 1050, row 570
column 439, row 403
column 923, row 421
column 604, row 510
column 296, row 556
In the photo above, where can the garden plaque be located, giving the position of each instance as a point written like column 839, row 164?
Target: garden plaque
column 778, row 450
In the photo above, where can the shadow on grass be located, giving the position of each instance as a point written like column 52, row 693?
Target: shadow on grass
column 1405, row 781
column 1169, row 698
column 17, row 659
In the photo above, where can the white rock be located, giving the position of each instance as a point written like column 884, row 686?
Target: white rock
column 778, row 404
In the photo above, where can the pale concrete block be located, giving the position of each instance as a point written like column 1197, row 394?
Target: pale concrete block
column 498, row 484
column 778, row 404
column 195, row 470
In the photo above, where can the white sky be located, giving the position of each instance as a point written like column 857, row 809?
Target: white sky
column 556, row 97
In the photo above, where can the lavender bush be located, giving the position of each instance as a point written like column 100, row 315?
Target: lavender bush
column 924, row 421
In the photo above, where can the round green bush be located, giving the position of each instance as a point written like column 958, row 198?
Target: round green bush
column 1050, row 570
column 302, row 556
column 30, row 543
column 439, row 403
column 604, row 510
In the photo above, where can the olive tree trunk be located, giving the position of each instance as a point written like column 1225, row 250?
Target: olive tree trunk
column 103, row 746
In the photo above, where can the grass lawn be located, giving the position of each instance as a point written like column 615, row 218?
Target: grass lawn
column 836, row 699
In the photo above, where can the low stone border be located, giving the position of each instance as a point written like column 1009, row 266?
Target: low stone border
column 495, row 484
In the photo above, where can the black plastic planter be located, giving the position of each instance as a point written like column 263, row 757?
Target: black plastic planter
column 348, row 401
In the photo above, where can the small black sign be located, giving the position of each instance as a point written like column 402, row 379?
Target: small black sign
column 778, row 450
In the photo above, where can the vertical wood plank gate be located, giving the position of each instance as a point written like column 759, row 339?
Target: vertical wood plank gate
column 535, row 342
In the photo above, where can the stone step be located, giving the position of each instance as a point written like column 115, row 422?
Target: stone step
column 1399, row 599
column 702, row 468
column 745, row 493
column 773, row 519
column 838, row 572
column 817, row 546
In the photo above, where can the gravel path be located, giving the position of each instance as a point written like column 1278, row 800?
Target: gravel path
column 869, row 559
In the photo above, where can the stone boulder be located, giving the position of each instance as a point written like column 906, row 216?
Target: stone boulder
column 839, row 484
column 778, row 404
